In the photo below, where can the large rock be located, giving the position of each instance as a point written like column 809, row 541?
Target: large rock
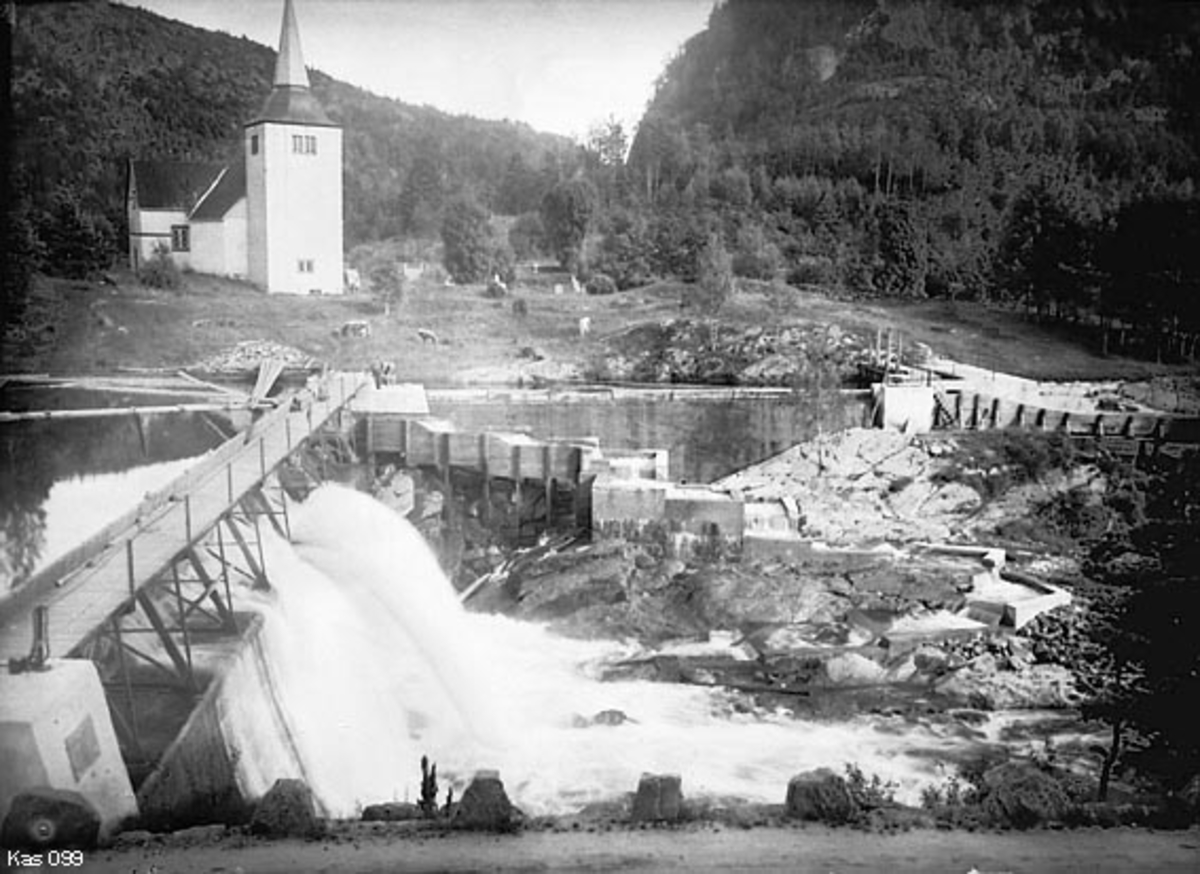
column 288, row 810
column 43, row 818
column 1022, row 796
column 853, row 669
column 391, row 811
column 563, row 584
column 984, row 686
column 484, row 806
column 820, row 795
column 659, row 798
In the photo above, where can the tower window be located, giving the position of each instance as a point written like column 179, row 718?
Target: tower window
column 304, row 144
column 306, row 265
column 254, row 144
column 181, row 238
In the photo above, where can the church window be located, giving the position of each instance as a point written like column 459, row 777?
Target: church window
column 304, row 144
column 306, row 265
column 254, row 144
column 180, row 238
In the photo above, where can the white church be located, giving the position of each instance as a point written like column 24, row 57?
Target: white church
column 274, row 217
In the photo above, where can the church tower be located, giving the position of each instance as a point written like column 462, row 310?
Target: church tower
column 293, row 182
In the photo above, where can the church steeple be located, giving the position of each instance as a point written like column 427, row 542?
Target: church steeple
column 289, row 66
column 291, row 101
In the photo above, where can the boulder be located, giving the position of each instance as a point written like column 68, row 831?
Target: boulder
column 484, row 806
column 659, row 798
column 1022, row 796
column 391, row 811
column 982, row 686
column 288, row 810
column 42, row 818
column 820, row 795
column 853, row 669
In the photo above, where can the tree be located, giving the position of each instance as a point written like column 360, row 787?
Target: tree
column 76, row 242
column 526, row 236
column 1145, row 654
column 714, row 276
column 387, row 284
column 567, row 211
column 466, row 241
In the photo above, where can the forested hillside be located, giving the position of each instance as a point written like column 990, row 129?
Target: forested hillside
column 97, row 83
column 1040, row 152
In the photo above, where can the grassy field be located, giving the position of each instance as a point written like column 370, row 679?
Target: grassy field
column 77, row 328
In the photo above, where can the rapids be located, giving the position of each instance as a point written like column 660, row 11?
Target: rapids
column 374, row 663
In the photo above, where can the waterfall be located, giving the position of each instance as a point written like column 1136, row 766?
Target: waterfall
column 374, row 662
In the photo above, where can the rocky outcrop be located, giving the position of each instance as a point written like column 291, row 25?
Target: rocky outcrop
column 707, row 352
column 986, row 685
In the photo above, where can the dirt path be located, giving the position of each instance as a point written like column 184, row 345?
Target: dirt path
column 815, row 848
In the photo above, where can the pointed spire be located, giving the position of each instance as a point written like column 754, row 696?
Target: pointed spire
column 291, row 99
column 289, row 66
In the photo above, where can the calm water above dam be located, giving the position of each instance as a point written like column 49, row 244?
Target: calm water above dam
column 62, row 480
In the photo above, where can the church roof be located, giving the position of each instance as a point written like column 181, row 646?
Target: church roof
column 293, row 105
column 291, row 100
column 172, row 184
column 229, row 189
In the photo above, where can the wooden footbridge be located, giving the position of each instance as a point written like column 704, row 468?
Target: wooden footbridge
column 166, row 565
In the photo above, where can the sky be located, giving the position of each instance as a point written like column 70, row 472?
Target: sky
column 560, row 65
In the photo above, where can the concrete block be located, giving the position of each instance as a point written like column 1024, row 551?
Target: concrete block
column 1019, row 613
column 907, row 407
column 406, row 399
column 514, row 456
column 659, row 798
column 622, row 500
column 701, row 510
column 55, row 731
column 769, row 518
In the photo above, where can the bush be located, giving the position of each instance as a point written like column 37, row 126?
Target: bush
column 495, row 289
column 520, row 307
column 600, row 283
column 160, row 271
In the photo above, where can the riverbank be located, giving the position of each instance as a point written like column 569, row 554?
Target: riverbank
column 533, row 335
column 701, row 847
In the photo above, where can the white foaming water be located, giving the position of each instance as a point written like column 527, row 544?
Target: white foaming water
column 374, row 663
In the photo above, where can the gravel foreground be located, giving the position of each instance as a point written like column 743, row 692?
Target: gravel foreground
column 699, row 848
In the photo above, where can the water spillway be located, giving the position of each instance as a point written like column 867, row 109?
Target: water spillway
column 369, row 662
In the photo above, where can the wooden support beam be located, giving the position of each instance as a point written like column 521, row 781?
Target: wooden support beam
column 210, row 591
column 259, row 576
column 182, row 666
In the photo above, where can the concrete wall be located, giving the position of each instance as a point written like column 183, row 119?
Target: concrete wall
column 203, row 776
column 906, row 408
column 294, row 204
column 55, row 730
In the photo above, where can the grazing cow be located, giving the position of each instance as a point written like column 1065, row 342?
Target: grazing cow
column 585, row 326
column 427, row 336
column 354, row 328
column 353, row 281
